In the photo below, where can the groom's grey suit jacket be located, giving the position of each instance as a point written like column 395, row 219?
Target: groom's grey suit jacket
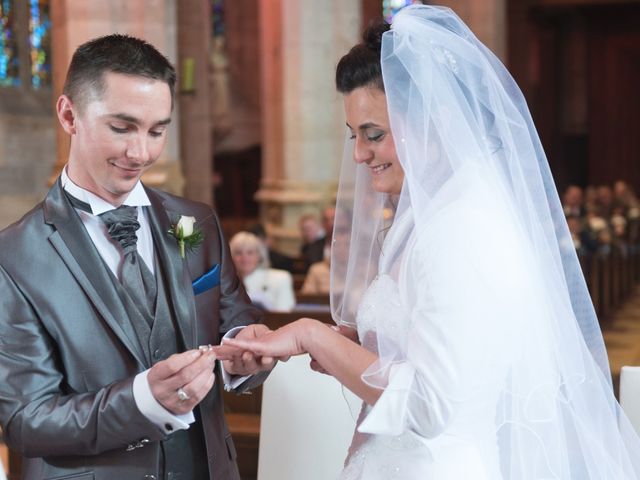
column 68, row 353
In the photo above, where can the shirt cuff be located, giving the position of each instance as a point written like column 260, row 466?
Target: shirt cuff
column 156, row 413
column 232, row 382
column 388, row 415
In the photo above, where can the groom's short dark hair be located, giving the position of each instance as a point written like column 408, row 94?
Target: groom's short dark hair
column 115, row 53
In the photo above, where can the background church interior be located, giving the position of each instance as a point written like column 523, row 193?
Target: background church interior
column 259, row 130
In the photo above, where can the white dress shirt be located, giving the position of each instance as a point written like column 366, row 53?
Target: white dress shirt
column 113, row 256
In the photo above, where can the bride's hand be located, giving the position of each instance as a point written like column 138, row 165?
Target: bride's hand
column 242, row 362
column 280, row 344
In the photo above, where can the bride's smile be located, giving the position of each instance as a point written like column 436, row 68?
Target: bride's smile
column 368, row 121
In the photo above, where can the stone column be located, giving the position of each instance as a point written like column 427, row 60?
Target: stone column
column 76, row 21
column 302, row 115
column 194, row 39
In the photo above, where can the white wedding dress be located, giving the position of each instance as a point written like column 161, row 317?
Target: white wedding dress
column 438, row 416
column 454, row 454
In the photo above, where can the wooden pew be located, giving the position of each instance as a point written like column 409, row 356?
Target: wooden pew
column 312, row 299
column 298, row 280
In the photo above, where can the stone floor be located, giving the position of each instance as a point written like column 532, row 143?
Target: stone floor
column 622, row 336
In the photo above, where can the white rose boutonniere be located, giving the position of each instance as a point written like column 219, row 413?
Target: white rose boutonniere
column 187, row 235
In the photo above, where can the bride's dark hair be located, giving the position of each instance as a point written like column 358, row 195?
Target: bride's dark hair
column 361, row 66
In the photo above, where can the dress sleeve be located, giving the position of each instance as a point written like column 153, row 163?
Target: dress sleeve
column 461, row 294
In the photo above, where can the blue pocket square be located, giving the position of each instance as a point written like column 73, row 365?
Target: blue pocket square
column 208, row 280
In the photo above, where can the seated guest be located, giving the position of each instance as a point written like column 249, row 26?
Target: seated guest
column 328, row 218
column 317, row 279
column 605, row 200
column 316, row 282
column 270, row 288
column 572, row 202
column 583, row 242
column 276, row 259
column 313, row 240
column 316, row 239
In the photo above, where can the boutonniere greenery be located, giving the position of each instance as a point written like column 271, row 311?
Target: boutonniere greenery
column 187, row 235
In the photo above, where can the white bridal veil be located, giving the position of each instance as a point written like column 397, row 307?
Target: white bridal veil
column 481, row 216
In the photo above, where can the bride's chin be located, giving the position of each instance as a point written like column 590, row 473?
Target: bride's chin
column 381, row 187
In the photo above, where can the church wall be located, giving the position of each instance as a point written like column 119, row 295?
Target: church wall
column 27, row 155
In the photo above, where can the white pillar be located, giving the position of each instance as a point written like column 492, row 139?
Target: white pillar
column 302, row 117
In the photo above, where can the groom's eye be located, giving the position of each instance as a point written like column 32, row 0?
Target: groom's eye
column 118, row 129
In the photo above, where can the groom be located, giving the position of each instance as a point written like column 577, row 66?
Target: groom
column 102, row 312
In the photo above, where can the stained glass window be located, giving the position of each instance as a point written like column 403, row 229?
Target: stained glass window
column 217, row 10
column 9, row 62
column 391, row 7
column 40, row 42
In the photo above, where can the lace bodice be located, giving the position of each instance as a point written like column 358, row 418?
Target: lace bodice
column 381, row 301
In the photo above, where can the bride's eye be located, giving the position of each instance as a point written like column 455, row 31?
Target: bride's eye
column 375, row 136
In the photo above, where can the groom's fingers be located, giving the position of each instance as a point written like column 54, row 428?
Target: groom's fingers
column 226, row 351
column 254, row 346
column 166, row 377
column 268, row 362
column 174, row 364
column 196, row 390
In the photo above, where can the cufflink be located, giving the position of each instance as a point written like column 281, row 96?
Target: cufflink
column 139, row 444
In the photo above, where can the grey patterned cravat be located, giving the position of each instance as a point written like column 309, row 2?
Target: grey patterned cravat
column 137, row 279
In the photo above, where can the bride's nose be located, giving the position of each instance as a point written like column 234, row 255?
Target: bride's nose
column 361, row 152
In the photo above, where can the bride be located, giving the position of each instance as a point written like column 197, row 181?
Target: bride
column 474, row 344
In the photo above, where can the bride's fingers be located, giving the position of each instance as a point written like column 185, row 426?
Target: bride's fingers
column 226, row 351
column 250, row 345
column 316, row 367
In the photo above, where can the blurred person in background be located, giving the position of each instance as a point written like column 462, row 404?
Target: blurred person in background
column 313, row 240
column 572, row 202
column 268, row 288
column 276, row 259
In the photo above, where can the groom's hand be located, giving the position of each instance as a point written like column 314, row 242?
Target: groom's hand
column 244, row 362
column 190, row 372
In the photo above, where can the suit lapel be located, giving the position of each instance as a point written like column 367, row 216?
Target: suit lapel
column 178, row 280
column 75, row 247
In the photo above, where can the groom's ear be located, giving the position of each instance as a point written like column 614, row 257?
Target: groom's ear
column 66, row 114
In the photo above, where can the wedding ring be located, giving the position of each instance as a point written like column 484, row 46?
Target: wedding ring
column 182, row 395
